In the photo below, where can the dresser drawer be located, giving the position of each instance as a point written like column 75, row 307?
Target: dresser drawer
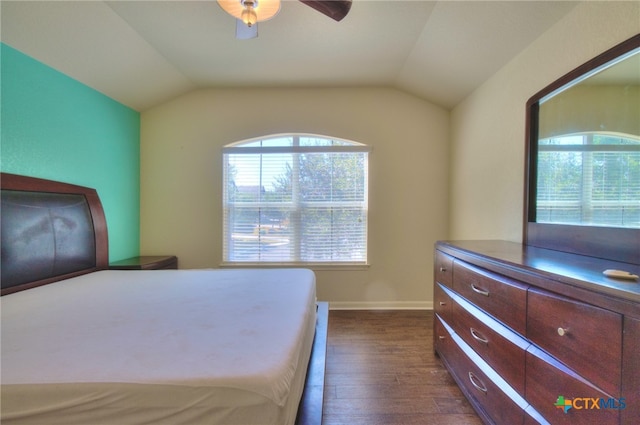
column 550, row 386
column 481, row 390
column 503, row 298
column 499, row 346
column 442, row 302
column 443, row 269
column 631, row 371
column 586, row 338
column 442, row 339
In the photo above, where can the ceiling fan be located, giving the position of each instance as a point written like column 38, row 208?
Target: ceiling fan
column 249, row 12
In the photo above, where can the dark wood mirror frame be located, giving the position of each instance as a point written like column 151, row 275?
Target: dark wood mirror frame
column 617, row 244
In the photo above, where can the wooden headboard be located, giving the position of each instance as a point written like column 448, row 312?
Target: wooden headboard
column 50, row 231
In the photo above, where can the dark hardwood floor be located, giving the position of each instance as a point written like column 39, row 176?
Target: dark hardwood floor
column 381, row 369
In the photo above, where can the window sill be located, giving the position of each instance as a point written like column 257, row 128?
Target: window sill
column 312, row 266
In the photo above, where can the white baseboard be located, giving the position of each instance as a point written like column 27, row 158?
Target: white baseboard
column 381, row 305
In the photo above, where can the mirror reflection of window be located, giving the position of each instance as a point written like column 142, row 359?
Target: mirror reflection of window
column 589, row 149
column 589, row 178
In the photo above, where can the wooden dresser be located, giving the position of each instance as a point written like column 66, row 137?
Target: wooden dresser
column 538, row 336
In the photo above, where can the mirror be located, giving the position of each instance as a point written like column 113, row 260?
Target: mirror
column 583, row 163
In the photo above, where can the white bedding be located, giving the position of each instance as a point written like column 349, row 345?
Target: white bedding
column 153, row 347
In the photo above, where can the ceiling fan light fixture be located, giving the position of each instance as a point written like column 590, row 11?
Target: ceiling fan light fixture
column 251, row 11
column 249, row 16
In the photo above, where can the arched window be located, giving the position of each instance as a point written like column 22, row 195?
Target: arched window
column 295, row 199
column 589, row 178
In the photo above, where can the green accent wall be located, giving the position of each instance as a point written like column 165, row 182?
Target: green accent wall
column 57, row 128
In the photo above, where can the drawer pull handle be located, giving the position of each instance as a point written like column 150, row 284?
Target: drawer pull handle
column 443, row 269
column 477, row 337
column 479, row 386
column 442, row 303
column 479, row 291
column 563, row 331
column 440, row 337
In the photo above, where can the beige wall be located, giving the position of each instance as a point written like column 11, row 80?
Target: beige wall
column 572, row 110
column 433, row 175
column 181, row 143
column 488, row 128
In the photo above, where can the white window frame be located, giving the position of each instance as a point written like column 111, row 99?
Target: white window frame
column 297, row 205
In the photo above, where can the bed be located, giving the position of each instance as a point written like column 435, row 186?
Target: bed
column 83, row 344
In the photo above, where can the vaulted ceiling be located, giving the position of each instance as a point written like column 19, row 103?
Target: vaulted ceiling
column 145, row 52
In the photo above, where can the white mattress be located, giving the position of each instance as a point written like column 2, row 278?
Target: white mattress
column 159, row 347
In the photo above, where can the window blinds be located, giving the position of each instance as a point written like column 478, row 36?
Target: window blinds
column 295, row 199
column 589, row 179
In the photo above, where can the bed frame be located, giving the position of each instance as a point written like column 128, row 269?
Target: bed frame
column 50, row 231
column 53, row 231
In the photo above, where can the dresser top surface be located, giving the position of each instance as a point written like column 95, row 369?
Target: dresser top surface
column 527, row 262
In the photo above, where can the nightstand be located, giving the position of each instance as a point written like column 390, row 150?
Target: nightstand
column 156, row 262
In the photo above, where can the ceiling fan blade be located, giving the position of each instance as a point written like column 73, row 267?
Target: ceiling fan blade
column 335, row 9
column 244, row 32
